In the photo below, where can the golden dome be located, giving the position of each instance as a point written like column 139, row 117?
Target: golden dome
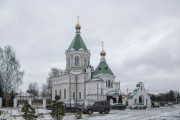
column 102, row 53
column 78, row 26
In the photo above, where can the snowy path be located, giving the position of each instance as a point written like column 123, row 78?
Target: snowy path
column 162, row 113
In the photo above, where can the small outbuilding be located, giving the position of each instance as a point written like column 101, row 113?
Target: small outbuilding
column 139, row 96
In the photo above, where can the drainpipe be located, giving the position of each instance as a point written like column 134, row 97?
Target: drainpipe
column 69, row 89
column 85, row 87
column 119, row 88
column 76, row 89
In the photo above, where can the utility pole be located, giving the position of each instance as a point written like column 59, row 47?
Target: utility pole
column 127, row 91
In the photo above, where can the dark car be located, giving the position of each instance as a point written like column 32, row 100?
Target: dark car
column 71, row 107
column 98, row 106
column 118, row 106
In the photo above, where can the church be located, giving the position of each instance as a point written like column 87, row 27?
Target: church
column 80, row 83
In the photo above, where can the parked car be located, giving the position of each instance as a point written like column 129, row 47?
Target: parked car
column 155, row 104
column 98, row 106
column 138, row 106
column 118, row 106
column 162, row 103
column 170, row 103
column 71, row 107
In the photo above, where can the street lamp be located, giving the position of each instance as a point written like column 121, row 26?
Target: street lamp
column 177, row 97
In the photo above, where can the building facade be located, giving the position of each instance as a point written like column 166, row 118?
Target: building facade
column 139, row 96
column 80, row 82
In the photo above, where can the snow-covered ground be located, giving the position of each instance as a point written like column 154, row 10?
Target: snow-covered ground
column 162, row 113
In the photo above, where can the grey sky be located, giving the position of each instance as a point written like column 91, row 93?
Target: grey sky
column 142, row 37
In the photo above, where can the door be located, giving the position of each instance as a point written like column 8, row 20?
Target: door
column 96, row 106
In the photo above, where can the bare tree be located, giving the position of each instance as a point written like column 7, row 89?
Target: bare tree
column 10, row 74
column 33, row 89
column 44, row 91
column 55, row 72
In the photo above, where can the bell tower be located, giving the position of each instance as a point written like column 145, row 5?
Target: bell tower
column 77, row 55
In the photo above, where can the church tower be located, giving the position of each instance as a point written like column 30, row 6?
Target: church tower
column 104, row 72
column 77, row 55
column 103, row 68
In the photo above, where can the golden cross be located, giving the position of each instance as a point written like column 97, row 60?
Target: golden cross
column 102, row 45
column 78, row 18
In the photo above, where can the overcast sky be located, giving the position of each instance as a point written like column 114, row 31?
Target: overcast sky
column 142, row 37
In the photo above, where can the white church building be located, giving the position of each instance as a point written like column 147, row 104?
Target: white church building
column 80, row 82
column 139, row 96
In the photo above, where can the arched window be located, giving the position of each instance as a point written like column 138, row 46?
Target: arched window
column 55, row 92
column 73, row 95
column 109, row 83
column 79, row 95
column 85, row 61
column 60, row 93
column 64, row 93
column 112, row 84
column 68, row 61
column 76, row 61
column 101, row 91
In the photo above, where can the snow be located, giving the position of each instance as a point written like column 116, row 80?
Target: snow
column 162, row 113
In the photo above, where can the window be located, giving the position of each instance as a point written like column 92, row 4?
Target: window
column 55, row 92
column 73, row 95
column 60, row 93
column 76, row 61
column 64, row 93
column 108, row 83
column 68, row 61
column 112, row 84
column 85, row 61
column 79, row 95
column 101, row 91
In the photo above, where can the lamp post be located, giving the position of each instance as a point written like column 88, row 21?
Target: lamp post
column 177, row 97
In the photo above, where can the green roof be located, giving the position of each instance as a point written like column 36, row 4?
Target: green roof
column 77, row 43
column 103, row 68
column 131, row 96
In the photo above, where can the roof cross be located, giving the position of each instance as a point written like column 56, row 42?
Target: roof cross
column 102, row 45
column 78, row 19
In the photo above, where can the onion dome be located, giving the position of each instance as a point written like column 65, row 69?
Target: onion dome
column 103, row 53
column 78, row 26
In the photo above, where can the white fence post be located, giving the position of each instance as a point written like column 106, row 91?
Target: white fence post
column 44, row 103
column 86, row 103
column 111, row 101
column 0, row 102
column 15, row 103
column 30, row 101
